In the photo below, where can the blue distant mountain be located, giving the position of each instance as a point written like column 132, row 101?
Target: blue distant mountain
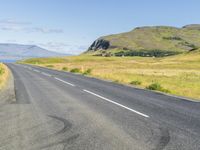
column 11, row 52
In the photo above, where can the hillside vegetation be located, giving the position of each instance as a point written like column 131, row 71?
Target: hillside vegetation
column 4, row 74
column 179, row 74
column 155, row 41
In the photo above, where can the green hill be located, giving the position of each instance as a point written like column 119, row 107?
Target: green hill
column 155, row 41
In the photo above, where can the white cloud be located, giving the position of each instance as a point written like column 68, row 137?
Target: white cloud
column 64, row 47
column 13, row 22
column 11, row 41
column 11, row 28
column 16, row 26
column 46, row 30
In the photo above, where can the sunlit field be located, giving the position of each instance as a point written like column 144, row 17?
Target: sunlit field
column 179, row 75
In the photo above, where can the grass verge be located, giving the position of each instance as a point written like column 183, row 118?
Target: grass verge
column 4, row 74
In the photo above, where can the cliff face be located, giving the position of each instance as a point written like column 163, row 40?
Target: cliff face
column 99, row 44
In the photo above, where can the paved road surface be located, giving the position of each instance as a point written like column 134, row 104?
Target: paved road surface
column 60, row 111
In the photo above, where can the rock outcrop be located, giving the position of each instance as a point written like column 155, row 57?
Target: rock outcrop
column 192, row 26
column 99, row 44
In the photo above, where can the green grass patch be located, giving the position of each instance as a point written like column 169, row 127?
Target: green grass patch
column 2, row 71
column 75, row 70
column 157, row 87
column 116, row 81
column 65, row 69
column 87, row 72
column 50, row 66
column 136, row 82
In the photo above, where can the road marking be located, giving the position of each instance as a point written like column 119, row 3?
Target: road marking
column 36, row 70
column 64, row 81
column 46, row 74
column 108, row 100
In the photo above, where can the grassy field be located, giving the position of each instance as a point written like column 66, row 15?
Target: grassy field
column 179, row 75
column 4, row 74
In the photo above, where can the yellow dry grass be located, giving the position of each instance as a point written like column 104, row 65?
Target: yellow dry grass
column 4, row 74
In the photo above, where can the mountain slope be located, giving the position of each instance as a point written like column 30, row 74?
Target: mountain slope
column 149, row 41
column 17, row 51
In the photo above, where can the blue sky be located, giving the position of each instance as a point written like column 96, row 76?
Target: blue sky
column 70, row 26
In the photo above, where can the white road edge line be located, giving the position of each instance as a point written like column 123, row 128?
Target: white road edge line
column 64, row 81
column 108, row 100
column 46, row 74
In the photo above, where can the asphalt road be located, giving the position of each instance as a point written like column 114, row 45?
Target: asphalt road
column 57, row 111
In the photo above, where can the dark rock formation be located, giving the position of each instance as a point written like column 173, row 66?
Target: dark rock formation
column 192, row 26
column 99, row 44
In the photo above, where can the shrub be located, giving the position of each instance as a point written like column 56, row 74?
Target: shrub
column 157, row 87
column 172, row 38
column 136, row 82
column 147, row 53
column 116, row 81
column 88, row 72
column 50, row 66
column 65, row 69
column 75, row 70
column 1, row 71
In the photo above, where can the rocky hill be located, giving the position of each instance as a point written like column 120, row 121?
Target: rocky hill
column 149, row 41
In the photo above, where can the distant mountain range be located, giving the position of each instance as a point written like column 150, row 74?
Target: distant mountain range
column 149, row 41
column 18, row 51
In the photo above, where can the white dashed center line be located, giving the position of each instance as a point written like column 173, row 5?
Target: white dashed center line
column 113, row 102
column 36, row 70
column 64, row 81
column 46, row 74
